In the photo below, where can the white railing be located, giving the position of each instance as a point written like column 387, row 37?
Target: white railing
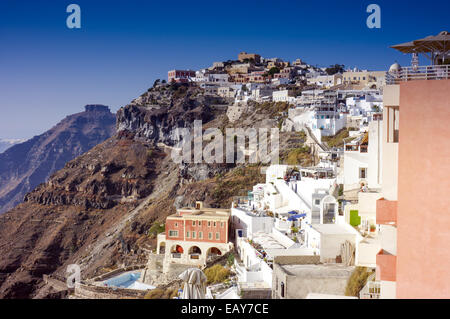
column 429, row 72
column 371, row 290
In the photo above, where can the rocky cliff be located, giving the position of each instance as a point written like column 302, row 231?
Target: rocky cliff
column 97, row 211
column 28, row 164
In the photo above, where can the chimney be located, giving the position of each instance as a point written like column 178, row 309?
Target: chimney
column 198, row 205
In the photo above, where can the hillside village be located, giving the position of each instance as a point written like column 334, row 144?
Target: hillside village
column 326, row 230
column 301, row 233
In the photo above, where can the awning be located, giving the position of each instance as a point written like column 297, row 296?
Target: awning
column 295, row 217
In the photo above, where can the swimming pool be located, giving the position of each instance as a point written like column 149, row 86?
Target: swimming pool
column 128, row 280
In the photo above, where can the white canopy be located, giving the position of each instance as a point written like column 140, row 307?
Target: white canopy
column 194, row 284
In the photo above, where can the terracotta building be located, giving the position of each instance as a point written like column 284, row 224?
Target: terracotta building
column 195, row 234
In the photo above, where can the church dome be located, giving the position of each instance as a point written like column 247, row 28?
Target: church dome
column 395, row 67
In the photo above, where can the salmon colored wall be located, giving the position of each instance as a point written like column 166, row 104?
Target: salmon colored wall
column 188, row 227
column 386, row 264
column 423, row 231
column 170, row 225
column 207, row 229
column 386, row 211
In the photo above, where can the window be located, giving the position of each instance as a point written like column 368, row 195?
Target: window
column 193, row 235
column 217, row 236
column 173, row 233
column 187, row 234
column 200, row 235
column 362, row 172
column 209, row 235
column 222, row 224
column 282, row 289
column 317, row 202
column 199, row 222
column 176, row 224
column 209, row 224
column 193, row 223
column 214, row 224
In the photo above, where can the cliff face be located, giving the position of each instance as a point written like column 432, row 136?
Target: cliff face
column 97, row 210
column 26, row 165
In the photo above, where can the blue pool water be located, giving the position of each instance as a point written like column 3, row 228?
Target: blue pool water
column 124, row 280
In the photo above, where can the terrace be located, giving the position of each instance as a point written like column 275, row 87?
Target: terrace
column 411, row 73
column 435, row 48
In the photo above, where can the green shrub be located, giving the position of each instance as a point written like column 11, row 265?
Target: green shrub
column 357, row 281
column 156, row 229
column 230, row 260
column 217, row 274
column 355, row 219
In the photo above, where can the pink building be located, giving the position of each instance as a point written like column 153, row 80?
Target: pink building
column 413, row 214
column 180, row 75
column 195, row 234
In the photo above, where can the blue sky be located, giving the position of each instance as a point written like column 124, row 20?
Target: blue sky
column 48, row 71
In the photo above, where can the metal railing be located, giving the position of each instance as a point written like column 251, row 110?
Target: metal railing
column 372, row 289
column 428, row 72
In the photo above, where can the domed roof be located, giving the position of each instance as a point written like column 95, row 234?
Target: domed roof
column 395, row 67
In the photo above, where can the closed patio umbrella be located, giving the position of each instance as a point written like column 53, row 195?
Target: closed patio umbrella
column 433, row 44
column 194, row 284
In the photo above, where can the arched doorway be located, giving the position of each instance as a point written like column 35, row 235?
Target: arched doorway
column 162, row 248
column 195, row 252
column 213, row 253
column 328, row 210
column 176, row 251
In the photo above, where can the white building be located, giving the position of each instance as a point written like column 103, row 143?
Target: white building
column 328, row 241
column 325, row 81
column 262, row 93
column 283, row 96
column 359, row 154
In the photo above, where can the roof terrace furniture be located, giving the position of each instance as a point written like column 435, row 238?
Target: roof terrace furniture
column 434, row 47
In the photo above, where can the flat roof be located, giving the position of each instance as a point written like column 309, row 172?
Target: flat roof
column 192, row 213
column 267, row 241
column 290, row 252
column 331, row 229
column 320, row 270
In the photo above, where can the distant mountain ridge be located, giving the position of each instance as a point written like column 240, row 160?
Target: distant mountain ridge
column 26, row 165
column 6, row 143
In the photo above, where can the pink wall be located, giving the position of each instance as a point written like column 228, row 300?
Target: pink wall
column 386, row 211
column 423, row 231
column 186, row 226
column 386, row 264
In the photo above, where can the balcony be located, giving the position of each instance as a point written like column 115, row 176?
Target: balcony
column 371, row 290
column 386, row 212
column 386, row 266
column 429, row 72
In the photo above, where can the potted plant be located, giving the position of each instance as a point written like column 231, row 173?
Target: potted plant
column 372, row 228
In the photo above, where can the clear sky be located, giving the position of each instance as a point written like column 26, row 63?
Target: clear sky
column 48, row 71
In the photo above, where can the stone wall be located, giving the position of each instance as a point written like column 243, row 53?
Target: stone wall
column 296, row 260
column 83, row 291
column 116, row 272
